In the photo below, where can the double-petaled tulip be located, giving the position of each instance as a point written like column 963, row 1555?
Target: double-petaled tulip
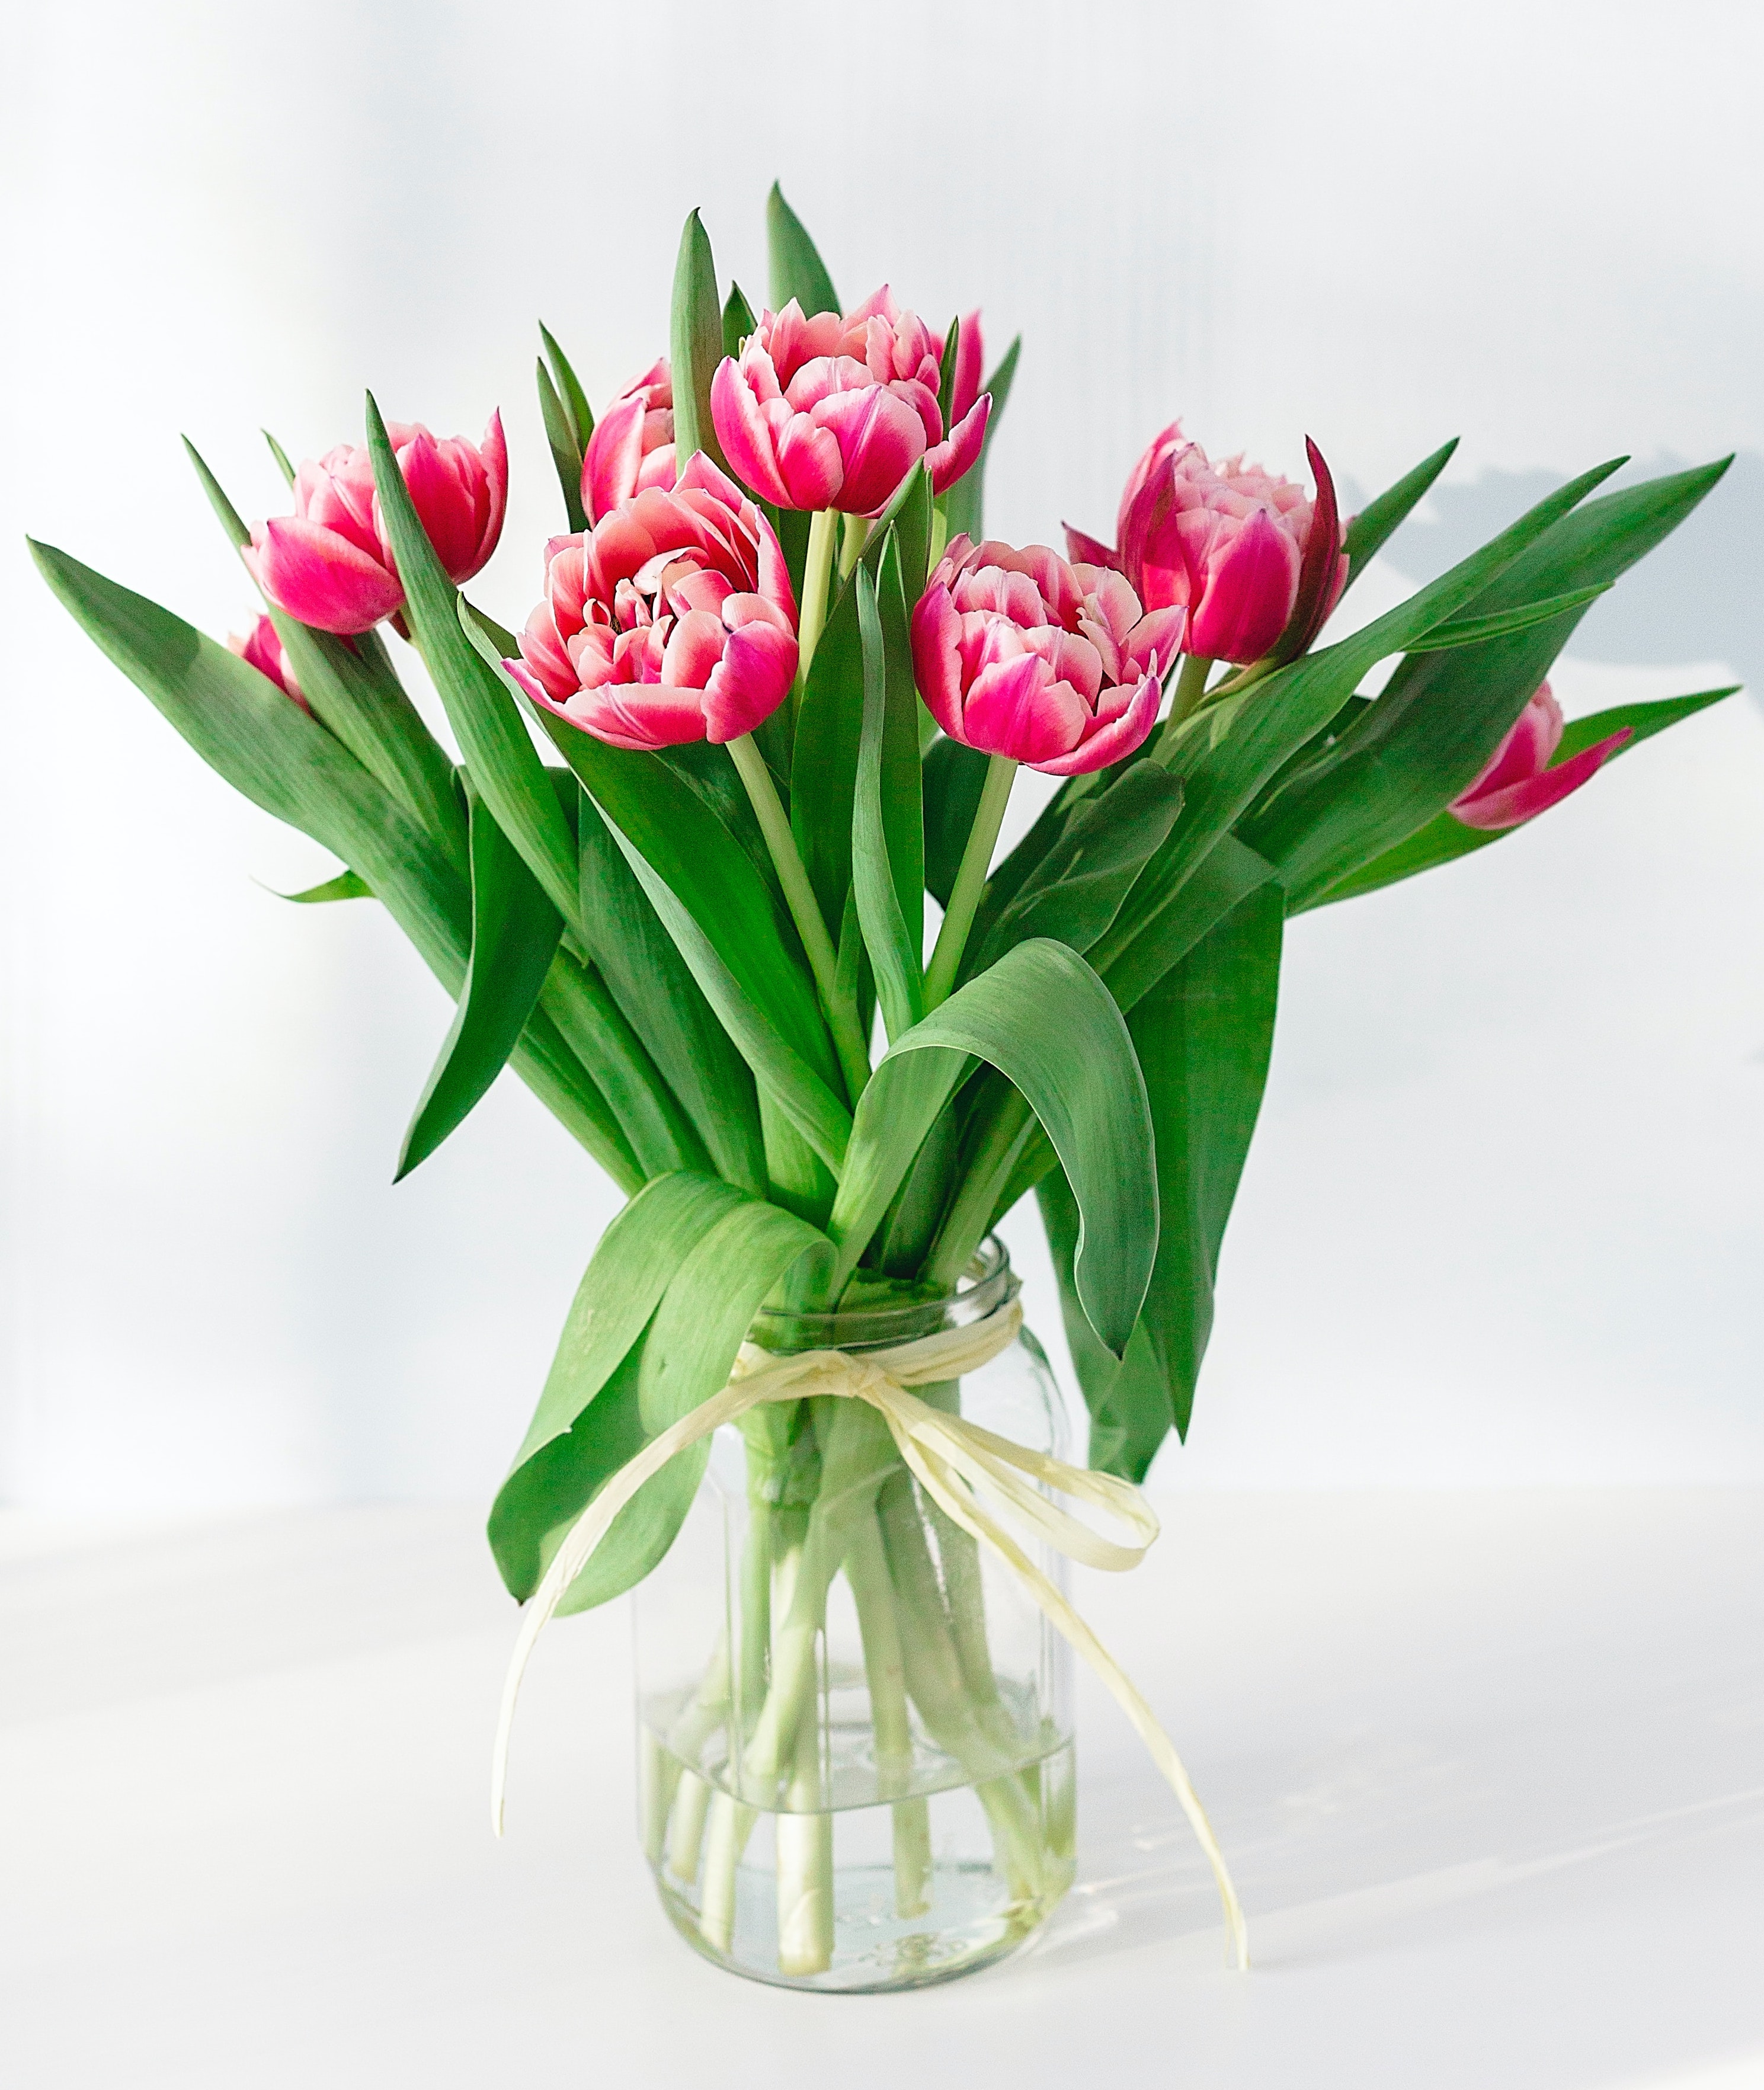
column 632, row 445
column 835, row 411
column 263, row 650
column 1518, row 783
column 1018, row 654
column 330, row 564
column 672, row 620
column 1257, row 566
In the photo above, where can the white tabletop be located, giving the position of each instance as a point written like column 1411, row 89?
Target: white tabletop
column 1490, row 1768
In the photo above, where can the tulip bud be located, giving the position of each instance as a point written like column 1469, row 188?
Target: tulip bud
column 671, row 619
column 1018, row 654
column 330, row 563
column 632, row 445
column 262, row 649
column 833, row 411
column 1518, row 783
column 1226, row 543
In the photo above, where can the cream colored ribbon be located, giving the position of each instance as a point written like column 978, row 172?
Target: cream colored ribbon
column 963, row 1468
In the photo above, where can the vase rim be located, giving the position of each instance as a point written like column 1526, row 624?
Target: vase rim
column 987, row 1284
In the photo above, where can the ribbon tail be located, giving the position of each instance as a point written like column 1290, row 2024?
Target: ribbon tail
column 580, row 1541
column 1060, row 1614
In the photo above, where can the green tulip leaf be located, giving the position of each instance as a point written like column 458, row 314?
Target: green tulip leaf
column 696, row 346
column 1379, row 520
column 797, row 270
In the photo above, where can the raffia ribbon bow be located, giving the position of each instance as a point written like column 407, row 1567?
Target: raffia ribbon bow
column 972, row 1474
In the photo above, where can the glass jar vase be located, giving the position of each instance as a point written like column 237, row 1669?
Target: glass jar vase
column 854, row 1725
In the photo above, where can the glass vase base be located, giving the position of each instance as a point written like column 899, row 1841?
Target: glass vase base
column 862, row 1900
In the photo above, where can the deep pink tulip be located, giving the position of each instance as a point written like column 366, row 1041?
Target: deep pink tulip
column 330, row 563
column 264, row 651
column 632, row 445
column 835, row 411
column 1018, row 653
column 671, row 619
column 1226, row 541
column 1518, row 784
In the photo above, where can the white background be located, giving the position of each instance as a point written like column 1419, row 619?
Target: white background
column 1503, row 1218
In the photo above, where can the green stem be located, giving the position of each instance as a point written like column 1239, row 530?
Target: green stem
column 805, row 910
column 816, row 576
column 965, row 1223
column 1190, row 686
column 971, row 880
column 1232, row 684
column 884, row 1665
column 851, row 544
column 939, row 534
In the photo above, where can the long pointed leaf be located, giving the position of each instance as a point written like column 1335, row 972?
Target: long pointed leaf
column 514, row 934
column 797, row 270
column 1047, row 1023
column 493, row 736
column 560, row 439
column 696, row 346
column 1379, row 520
column 1444, row 839
column 268, row 748
column 896, row 958
column 1442, row 715
column 642, row 965
column 568, row 390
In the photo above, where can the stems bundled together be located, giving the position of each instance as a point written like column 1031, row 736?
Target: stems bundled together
column 787, row 684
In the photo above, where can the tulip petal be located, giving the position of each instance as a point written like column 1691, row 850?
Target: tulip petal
column 1248, row 594
column 319, row 577
column 879, row 437
column 1322, row 568
column 810, row 467
column 936, row 634
column 1087, row 551
column 960, row 450
column 444, row 507
column 751, row 680
column 614, row 459
column 494, row 450
column 1113, row 741
column 1015, row 708
column 745, row 434
column 640, row 715
column 1513, row 804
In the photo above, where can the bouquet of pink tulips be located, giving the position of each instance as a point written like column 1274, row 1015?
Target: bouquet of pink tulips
column 775, row 694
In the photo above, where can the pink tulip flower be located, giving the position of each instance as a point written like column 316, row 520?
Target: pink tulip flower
column 1518, row 783
column 1018, row 653
column 1227, row 542
column 672, row 620
column 330, row 564
column 835, row 411
column 264, row 651
column 632, row 445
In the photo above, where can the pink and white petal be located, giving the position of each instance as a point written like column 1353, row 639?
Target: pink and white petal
column 1530, row 743
column 547, row 654
column 742, row 429
column 1113, row 741
column 810, row 467
column 494, row 452
column 1015, row 708
column 448, row 515
column 1071, row 658
column 970, row 355
column 693, row 649
column 751, row 680
column 936, row 628
column 614, row 457
column 657, row 468
column 1515, row 803
column 960, row 450
column 1156, row 639
column 880, row 439
column 640, row 716
column 319, row 577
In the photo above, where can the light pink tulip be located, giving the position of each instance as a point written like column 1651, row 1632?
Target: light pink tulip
column 1518, row 783
column 1227, row 542
column 672, row 620
column 329, row 564
column 632, row 445
column 835, row 411
column 264, row 651
column 1018, row 653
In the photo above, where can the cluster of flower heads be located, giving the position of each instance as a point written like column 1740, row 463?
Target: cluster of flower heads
column 671, row 616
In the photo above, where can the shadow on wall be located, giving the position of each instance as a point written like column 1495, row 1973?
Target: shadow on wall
column 1699, row 596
